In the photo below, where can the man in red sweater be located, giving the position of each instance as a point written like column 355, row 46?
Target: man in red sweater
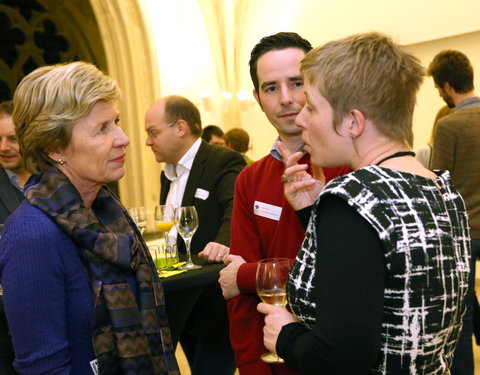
column 263, row 223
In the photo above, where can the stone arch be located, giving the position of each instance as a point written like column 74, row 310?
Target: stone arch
column 131, row 61
column 40, row 32
column 111, row 34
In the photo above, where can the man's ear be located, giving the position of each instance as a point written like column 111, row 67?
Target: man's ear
column 355, row 123
column 448, row 88
column 182, row 128
column 257, row 98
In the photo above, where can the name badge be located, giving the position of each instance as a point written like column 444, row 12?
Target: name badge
column 201, row 194
column 94, row 366
column 267, row 210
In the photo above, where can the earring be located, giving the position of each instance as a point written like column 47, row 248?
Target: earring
column 61, row 161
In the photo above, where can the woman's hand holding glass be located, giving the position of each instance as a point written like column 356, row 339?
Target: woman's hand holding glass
column 301, row 189
column 275, row 318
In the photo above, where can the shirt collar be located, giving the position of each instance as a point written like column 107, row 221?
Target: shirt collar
column 276, row 153
column 14, row 179
column 468, row 103
column 172, row 172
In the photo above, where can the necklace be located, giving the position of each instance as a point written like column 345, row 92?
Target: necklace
column 396, row 155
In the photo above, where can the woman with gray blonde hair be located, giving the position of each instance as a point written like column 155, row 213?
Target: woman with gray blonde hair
column 379, row 282
column 81, row 293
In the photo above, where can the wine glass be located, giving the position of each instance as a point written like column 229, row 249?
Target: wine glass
column 186, row 221
column 164, row 219
column 139, row 216
column 272, row 276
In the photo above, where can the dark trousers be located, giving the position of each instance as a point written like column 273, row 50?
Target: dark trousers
column 6, row 349
column 205, row 361
column 463, row 363
column 205, row 339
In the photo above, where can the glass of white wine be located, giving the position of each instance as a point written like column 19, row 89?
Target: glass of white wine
column 186, row 221
column 139, row 217
column 272, row 276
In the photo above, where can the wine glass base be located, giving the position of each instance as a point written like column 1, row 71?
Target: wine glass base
column 189, row 266
column 271, row 358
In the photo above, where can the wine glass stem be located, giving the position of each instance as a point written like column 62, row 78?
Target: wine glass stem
column 189, row 254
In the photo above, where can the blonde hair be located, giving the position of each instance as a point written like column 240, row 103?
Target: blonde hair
column 47, row 103
column 371, row 73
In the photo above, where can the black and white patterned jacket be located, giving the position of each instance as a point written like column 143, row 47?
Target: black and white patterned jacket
column 423, row 226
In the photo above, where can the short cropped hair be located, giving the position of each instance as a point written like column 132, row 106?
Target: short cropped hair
column 6, row 108
column 210, row 130
column 180, row 108
column 275, row 42
column 452, row 67
column 238, row 139
column 48, row 102
column 371, row 73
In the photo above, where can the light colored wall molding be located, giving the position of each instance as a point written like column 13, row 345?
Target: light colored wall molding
column 131, row 61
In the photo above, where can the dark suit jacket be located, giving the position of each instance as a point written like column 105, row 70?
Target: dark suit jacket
column 10, row 197
column 214, row 170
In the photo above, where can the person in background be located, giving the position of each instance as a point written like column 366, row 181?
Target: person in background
column 378, row 285
column 75, row 271
column 239, row 140
column 12, row 173
column 12, row 178
column 456, row 148
column 213, row 135
column 424, row 153
column 201, row 175
column 263, row 223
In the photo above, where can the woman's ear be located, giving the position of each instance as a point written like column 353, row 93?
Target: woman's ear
column 56, row 156
column 355, row 123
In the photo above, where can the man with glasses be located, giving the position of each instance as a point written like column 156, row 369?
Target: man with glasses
column 201, row 175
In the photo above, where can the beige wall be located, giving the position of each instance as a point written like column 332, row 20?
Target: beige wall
column 429, row 102
column 156, row 48
column 186, row 65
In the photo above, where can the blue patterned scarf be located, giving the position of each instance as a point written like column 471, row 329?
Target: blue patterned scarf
column 131, row 333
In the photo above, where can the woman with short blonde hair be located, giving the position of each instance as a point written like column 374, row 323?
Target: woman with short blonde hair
column 378, row 285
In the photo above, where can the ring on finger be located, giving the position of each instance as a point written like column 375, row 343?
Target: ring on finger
column 285, row 179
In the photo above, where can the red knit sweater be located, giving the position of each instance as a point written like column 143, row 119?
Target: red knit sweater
column 255, row 237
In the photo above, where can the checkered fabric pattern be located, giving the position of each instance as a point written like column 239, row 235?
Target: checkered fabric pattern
column 423, row 226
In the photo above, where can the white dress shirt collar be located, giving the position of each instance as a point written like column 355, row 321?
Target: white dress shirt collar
column 172, row 172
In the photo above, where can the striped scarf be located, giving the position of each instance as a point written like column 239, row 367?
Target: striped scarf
column 130, row 332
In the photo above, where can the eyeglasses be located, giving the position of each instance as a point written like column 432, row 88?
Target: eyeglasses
column 152, row 133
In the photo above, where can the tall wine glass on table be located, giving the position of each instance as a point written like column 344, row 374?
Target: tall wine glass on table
column 139, row 216
column 271, row 278
column 186, row 221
